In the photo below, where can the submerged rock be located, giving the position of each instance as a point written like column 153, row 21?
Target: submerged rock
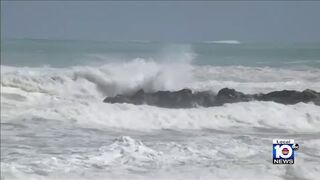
column 185, row 98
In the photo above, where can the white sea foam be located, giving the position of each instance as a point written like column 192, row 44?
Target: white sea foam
column 117, row 78
column 222, row 156
column 223, row 42
column 54, row 124
column 77, row 94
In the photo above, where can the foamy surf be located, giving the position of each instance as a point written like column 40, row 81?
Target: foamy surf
column 55, row 125
column 77, row 94
column 192, row 155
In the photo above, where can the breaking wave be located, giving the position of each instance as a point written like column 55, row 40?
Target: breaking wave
column 76, row 94
column 223, row 42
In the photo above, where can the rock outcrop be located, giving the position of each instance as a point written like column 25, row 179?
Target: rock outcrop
column 185, row 98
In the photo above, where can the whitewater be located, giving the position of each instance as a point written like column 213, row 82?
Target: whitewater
column 54, row 124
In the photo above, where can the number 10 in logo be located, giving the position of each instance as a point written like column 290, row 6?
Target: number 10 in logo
column 283, row 151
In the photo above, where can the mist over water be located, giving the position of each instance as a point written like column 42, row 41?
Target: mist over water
column 54, row 124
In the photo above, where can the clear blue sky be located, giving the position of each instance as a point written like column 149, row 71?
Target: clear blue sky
column 162, row 21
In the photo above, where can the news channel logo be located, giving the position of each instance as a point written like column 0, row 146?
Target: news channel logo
column 284, row 151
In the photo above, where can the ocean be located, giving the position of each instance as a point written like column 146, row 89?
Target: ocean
column 54, row 124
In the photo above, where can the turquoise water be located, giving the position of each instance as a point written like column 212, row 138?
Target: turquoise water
column 60, row 53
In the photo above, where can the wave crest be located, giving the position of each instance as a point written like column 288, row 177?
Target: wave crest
column 77, row 94
column 223, row 42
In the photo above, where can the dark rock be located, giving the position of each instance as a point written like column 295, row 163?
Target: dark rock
column 185, row 98
column 204, row 98
column 289, row 97
column 227, row 95
column 176, row 99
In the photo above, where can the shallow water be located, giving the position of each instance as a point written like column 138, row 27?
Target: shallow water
column 49, row 149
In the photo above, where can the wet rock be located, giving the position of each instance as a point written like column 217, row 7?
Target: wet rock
column 185, row 98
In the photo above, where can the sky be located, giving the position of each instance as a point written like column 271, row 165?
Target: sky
column 170, row 21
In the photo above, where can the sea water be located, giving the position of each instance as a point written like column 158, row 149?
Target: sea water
column 54, row 124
